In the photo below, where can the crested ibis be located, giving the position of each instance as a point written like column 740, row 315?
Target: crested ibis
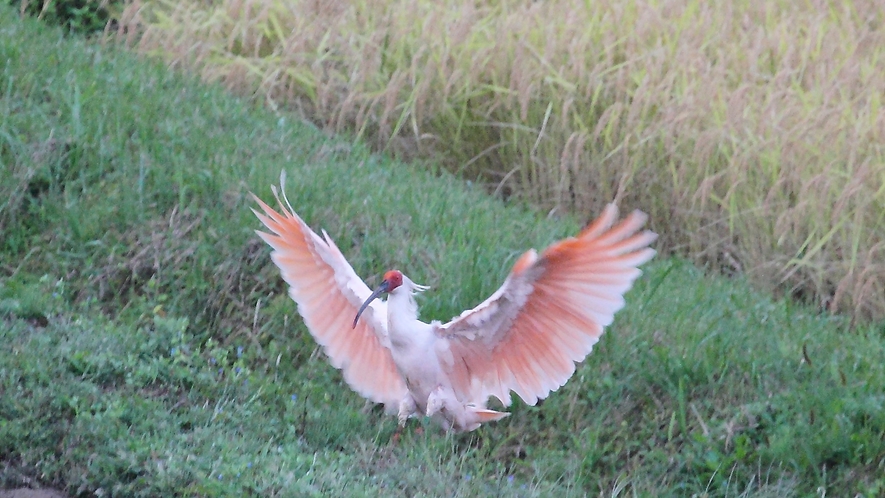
column 525, row 338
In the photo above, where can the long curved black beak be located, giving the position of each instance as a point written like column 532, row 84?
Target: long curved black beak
column 380, row 290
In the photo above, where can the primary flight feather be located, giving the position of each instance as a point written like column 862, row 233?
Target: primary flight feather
column 525, row 338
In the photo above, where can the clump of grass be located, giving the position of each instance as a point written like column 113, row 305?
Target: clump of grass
column 752, row 132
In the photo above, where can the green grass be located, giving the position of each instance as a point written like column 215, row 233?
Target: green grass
column 150, row 348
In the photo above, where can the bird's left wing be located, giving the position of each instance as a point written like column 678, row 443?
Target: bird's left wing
column 329, row 293
column 547, row 315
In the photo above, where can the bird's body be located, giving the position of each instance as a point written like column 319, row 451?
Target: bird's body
column 525, row 338
column 411, row 346
column 414, row 347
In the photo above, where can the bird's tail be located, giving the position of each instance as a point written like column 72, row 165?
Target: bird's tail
column 484, row 415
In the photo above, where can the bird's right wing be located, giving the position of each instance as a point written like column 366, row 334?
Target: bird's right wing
column 329, row 293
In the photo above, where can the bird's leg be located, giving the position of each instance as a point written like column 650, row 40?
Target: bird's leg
column 406, row 407
column 435, row 401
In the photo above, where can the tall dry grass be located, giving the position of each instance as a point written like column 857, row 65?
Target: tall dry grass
column 752, row 132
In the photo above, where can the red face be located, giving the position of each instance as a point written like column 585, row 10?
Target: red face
column 394, row 279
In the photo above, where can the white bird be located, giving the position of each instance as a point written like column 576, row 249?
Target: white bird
column 525, row 338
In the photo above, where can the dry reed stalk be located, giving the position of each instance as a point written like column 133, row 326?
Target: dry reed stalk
column 752, row 132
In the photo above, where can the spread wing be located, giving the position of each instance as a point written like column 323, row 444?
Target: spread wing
column 329, row 293
column 547, row 315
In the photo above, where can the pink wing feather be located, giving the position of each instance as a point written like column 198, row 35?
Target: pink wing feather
column 547, row 315
column 329, row 293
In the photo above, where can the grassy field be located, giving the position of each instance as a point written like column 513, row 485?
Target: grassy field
column 150, row 349
column 751, row 131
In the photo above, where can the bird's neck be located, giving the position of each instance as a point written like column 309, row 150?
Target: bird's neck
column 402, row 318
column 402, row 306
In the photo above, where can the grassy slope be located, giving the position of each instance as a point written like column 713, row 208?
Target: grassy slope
column 150, row 348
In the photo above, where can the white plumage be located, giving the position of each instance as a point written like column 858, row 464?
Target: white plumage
column 525, row 338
